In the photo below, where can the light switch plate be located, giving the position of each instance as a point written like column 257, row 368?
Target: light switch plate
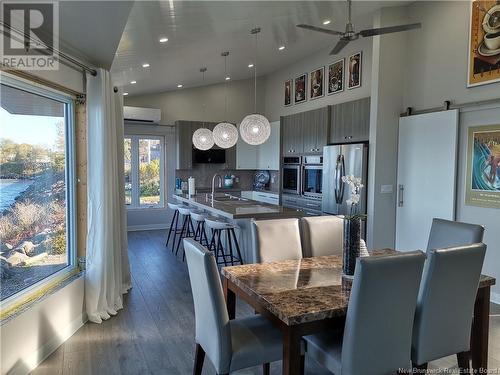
column 386, row 189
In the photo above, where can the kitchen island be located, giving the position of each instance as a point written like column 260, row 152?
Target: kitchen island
column 239, row 211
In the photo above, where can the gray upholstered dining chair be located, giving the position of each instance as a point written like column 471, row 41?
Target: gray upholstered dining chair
column 229, row 344
column 378, row 328
column 447, row 233
column 445, row 304
column 276, row 240
column 322, row 235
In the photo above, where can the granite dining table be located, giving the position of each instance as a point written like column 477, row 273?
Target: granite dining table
column 309, row 295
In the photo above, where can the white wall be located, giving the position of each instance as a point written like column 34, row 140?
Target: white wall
column 388, row 73
column 275, row 82
column 33, row 335
column 186, row 104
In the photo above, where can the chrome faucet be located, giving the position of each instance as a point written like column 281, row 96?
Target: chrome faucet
column 213, row 185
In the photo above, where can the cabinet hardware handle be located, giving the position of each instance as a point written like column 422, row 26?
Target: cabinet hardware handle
column 401, row 199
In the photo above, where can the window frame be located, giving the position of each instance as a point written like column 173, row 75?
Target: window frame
column 134, row 173
column 55, row 279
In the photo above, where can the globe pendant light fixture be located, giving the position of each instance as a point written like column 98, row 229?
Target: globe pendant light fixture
column 203, row 138
column 225, row 133
column 255, row 128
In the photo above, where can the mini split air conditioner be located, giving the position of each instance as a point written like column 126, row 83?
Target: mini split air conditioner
column 145, row 115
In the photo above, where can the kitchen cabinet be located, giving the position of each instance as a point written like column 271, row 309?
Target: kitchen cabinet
column 305, row 132
column 262, row 196
column 315, row 130
column 265, row 156
column 268, row 153
column 310, row 207
column 184, row 136
column 292, row 129
column 350, row 121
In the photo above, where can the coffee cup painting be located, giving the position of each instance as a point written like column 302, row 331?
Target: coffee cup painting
column 300, row 89
column 484, row 43
column 483, row 168
column 317, row 90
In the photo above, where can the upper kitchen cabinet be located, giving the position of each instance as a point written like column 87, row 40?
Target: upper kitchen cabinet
column 305, row 132
column 264, row 156
column 184, row 134
column 315, row 131
column 292, row 142
column 269, row 152
column 350, row 121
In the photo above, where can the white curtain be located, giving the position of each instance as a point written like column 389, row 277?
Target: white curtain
column 107, row 275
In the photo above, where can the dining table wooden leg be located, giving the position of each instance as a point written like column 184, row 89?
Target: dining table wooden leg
column 479, row 333
column 230, row 298
column 291, row 351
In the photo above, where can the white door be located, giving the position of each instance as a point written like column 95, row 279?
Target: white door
column 427, row 159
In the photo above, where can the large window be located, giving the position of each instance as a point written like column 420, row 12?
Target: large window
column 144, row 158
column 36, row 184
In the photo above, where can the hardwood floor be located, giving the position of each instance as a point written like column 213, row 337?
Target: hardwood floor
column 154, row 333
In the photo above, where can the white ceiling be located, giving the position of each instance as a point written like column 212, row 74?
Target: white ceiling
column 198, row 31
column 91, row 30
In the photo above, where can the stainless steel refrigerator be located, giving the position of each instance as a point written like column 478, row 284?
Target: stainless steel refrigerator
column 339, row 161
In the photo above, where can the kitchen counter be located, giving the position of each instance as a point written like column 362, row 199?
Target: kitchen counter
column 238, row 208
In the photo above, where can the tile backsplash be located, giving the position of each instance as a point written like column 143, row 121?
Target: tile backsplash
column 203, row 174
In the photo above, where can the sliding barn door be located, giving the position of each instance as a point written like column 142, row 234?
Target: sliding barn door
column 427, row 160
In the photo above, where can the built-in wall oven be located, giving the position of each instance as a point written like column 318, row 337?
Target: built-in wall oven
column 312, row 176
column 291, row 183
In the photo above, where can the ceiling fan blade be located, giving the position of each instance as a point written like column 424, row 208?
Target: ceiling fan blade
column 340, row 45
column 390, row 29
column 320, row 29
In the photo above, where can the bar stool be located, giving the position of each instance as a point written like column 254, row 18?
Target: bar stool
column 218, row 227
column 199, row 233
column 174, row 224
column 187, row 229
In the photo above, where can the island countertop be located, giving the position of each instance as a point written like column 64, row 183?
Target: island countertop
column 238, row 208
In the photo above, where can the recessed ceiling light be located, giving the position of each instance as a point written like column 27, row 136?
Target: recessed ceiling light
column 163, row 40
column 133, row 82
column 125, row 93
column 281, row 48
column 179, row 86
column 250, row 65
column 228, row 78
column 326, row 22
column 145, row 65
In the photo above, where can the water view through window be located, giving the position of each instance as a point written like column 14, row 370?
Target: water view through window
column 33, row 161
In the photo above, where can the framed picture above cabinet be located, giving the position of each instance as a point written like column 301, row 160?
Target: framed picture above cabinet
column 354, row 71
column 288, row 92
column 336, row 77
column 317, row 89
column 300, row 89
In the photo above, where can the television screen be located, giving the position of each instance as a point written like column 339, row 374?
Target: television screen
column 212, row 156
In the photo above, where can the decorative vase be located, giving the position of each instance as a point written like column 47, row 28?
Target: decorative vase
column 352, row 237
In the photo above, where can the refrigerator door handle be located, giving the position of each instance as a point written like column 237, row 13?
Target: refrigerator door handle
column 342, row 174
column 400, row 195
column 337, row 179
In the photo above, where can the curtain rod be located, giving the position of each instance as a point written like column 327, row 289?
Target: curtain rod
column 58, row 53
column 447, row 105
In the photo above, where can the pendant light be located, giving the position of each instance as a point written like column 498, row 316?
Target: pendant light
column 203, row 138
column 255, row 128
column 225, row 133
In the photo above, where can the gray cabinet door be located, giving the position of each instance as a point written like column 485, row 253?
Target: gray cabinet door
column 292, row 135
column 184, row 135
column 350, row 122
column 309, row 131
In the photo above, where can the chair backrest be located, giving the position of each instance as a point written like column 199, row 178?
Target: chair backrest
column 213, row 331
column 446, row 302
column 378, row 328
column 276, row 240
column 446, row 233
column 322, row 235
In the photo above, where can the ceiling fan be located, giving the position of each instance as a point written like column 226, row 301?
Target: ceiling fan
column 350, row 35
